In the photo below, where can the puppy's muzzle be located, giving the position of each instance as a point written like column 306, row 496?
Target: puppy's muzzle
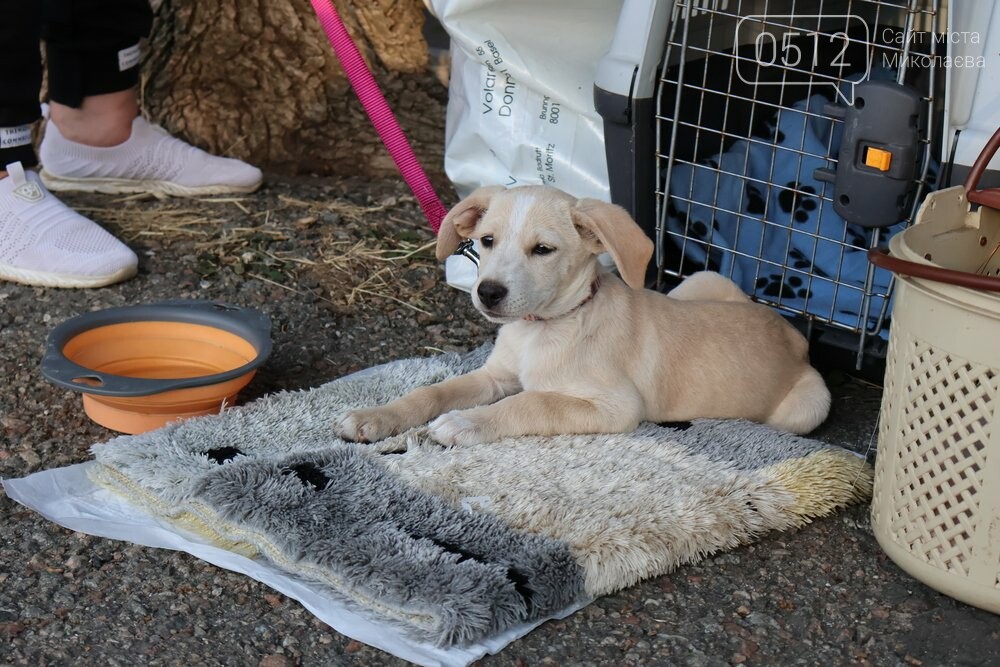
column 491, row 293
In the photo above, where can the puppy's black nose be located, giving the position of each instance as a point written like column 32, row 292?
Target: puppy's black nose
column 490, row 293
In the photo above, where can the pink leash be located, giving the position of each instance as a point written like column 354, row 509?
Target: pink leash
column 378, row 111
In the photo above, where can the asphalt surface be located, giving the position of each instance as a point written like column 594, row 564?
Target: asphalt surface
column 822, row 595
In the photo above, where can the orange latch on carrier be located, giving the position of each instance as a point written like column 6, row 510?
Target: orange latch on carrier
column 878, row 158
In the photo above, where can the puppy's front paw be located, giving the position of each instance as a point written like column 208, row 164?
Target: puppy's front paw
column 366, row 425
column 457, row 427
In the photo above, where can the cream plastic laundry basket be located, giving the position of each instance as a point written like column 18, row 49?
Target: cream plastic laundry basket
column 936, row 503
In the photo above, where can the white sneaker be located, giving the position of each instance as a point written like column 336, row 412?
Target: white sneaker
column 149, row 161
column 43, row 242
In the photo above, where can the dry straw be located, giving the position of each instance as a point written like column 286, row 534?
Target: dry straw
column 241, row 233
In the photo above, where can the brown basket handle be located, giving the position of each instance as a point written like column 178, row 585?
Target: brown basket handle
column 882, row 258
column 990, row 196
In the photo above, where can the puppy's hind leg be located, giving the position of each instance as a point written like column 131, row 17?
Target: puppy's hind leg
column 804, row 407
column 708, row 286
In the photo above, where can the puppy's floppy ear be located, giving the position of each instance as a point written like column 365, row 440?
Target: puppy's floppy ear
column 463, row 218
column 610, row 228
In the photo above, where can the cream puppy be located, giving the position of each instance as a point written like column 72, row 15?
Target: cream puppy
column 582, row 351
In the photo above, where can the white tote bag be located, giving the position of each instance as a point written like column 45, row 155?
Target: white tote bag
column 520, row 99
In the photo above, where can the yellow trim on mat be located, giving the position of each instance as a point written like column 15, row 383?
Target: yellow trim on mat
column 824, row 481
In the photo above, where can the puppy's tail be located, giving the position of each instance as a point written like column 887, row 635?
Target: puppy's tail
column 805, row 406
column 708, row 286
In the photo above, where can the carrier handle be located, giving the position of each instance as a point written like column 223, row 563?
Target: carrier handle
column 990, row 196
column 882, row 259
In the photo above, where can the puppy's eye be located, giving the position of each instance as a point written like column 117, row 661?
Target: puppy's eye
column 542, row 249
column 486, row 241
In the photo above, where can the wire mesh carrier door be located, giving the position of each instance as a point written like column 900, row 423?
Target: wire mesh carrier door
column 790, row 138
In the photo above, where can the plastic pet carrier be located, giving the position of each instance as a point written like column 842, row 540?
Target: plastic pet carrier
column 776, row 142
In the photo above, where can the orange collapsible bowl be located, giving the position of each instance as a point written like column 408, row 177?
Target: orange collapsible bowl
column 140, row 367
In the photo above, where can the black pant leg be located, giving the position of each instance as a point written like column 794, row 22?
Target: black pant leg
column 91, row 46
column 20, row 79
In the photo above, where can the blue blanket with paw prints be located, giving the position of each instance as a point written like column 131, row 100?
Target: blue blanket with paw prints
column 757, row 211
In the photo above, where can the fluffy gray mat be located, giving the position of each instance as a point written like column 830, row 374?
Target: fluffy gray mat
column 457, row 544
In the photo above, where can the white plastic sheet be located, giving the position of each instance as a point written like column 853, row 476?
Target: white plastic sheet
column 67, row 497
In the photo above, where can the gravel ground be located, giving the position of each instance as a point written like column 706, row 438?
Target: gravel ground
column 338, row 266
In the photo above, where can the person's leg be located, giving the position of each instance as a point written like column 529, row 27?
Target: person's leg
column 96, row 140
column 20, row 81
column 92, row 53
column 100, row 120
column 42, row 241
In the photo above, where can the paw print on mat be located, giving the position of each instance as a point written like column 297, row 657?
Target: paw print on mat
column 794, row 202
column 701, row 229
column 857, row 241
column 800, row 261
column 755, row 202
column 791, row 288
